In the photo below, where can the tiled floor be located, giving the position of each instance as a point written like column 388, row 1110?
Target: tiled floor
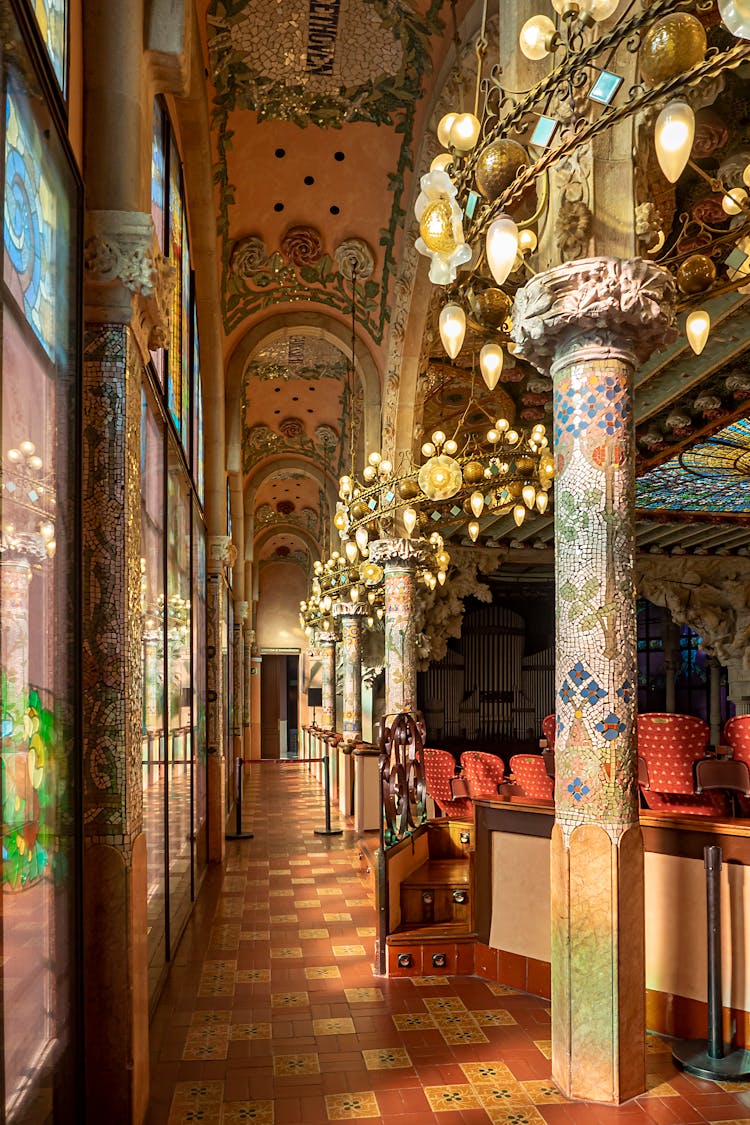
column 272, row 1013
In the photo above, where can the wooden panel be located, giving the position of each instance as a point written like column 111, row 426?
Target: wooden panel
column 272, row 683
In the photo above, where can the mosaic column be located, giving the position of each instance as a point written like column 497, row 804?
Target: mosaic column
column 400, row 559
column 327, row 643
column 350, row 614
column 588, row 323
column 221, row 554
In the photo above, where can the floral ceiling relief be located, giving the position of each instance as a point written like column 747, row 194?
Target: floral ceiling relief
column 321, row 63
column 299, row 270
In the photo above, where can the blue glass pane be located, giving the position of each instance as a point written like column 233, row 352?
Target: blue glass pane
column 52, row 17
column 158, row 164
column 34, row 231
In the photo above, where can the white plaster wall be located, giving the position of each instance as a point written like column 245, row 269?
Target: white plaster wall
column 282, row 587
column 520, row 895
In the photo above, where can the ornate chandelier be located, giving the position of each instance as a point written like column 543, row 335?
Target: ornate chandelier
column 483, row 198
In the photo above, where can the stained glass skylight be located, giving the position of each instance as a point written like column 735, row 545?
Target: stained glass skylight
column 713, row 476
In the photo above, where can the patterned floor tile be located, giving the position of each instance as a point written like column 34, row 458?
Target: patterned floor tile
column 443, row 1099
column 655, row 1045
column 337, row 917
column 656, row 1087
column 203, row 1093
column 306, row 904
column 363, row 995
column 505, row 1091
column 255, row 935
column 252, row 976
column 285, row 892
column 413, row 1021
column 439, row 1004
column 366, row 931
column 501, row 989
column 481, row 1073
column 349, row 951
column 544, row 1046
column 466, row 1034
column 323, row 972
column 494, row 1017
column 311, row 934
column 543, row 1093
column 234, row 1113
column 290, row 999
column 239, row 1031
column 339, row 1025
column 285, row 952
column 206, row 1043
column 386, row 1058
column 428, row 982
column 523, row 1114
column 205, row 1017
column 286, row 1065
column 342, row 1107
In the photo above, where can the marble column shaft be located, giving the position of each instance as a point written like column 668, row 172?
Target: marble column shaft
column 350, row 615
column 588, row 323
column 216, row 747
column 327, row 643
column 400, row 559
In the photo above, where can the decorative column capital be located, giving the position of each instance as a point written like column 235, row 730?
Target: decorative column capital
column 222, row 553
column 127, row 276
column 240, row 611
column 22, row 547
column 399, row 552
column 607, row 302
column 351, row 609
column 327, row 638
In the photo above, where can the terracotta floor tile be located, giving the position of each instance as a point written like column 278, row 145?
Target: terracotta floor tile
column 257, row 1023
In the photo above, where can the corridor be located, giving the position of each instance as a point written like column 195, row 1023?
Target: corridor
column 272, row 1014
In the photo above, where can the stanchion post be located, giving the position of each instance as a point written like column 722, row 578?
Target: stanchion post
column 238, row 834
column 327, row 831
column 709, row 1058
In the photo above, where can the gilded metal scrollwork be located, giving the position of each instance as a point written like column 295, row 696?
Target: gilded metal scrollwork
column 402, row 782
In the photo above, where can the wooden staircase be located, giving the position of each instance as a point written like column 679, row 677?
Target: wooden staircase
column 434, row 933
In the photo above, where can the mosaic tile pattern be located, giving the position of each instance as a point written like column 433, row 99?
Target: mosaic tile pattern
column 596, row 659
column 351, row 658
column 112, row 672
column 327, row 647
column 301, row 1048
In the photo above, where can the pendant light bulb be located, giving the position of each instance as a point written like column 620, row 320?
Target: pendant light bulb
column 491, row 364
column 736, row 16
column 536, row 38
column 529, row 495
column 697, row 328
column 441, row 577
column 477, row 503
column 542, row 499
column 734, row 201
column 442, row 162
column 673, row 138
column 410, row 520
column 444, row 129
column 351, row 551
column 452, row 329
column 465, row 132
column 599, row 9
column 473, row 530
column 354, row 593
column 361, row 536
column 519, row 514
column 502, row 247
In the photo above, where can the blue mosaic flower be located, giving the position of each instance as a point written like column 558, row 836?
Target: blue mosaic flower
column 625, row 692
column 560, row 726
column 592, row 693
column 578, row 674
column 566, row 692
column 610, row 423
column 610, row 727
column 565, row 413
column 578, row 789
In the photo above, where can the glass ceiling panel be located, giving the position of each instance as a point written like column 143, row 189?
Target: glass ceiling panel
column 713, row 476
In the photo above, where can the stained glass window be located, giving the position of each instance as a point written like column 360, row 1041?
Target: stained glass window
column 39, row 371
column 52, row 17
column 158, row 169
column 176, row 232
column 199, row 456
column 186, row 317
column 34, row 229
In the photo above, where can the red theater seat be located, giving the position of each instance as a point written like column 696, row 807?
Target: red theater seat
column 439, row 768
column 531, row 777
column 670, row 745
column 483, row 773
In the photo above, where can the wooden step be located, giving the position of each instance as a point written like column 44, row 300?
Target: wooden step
column 438, row 932
column 440, row 873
